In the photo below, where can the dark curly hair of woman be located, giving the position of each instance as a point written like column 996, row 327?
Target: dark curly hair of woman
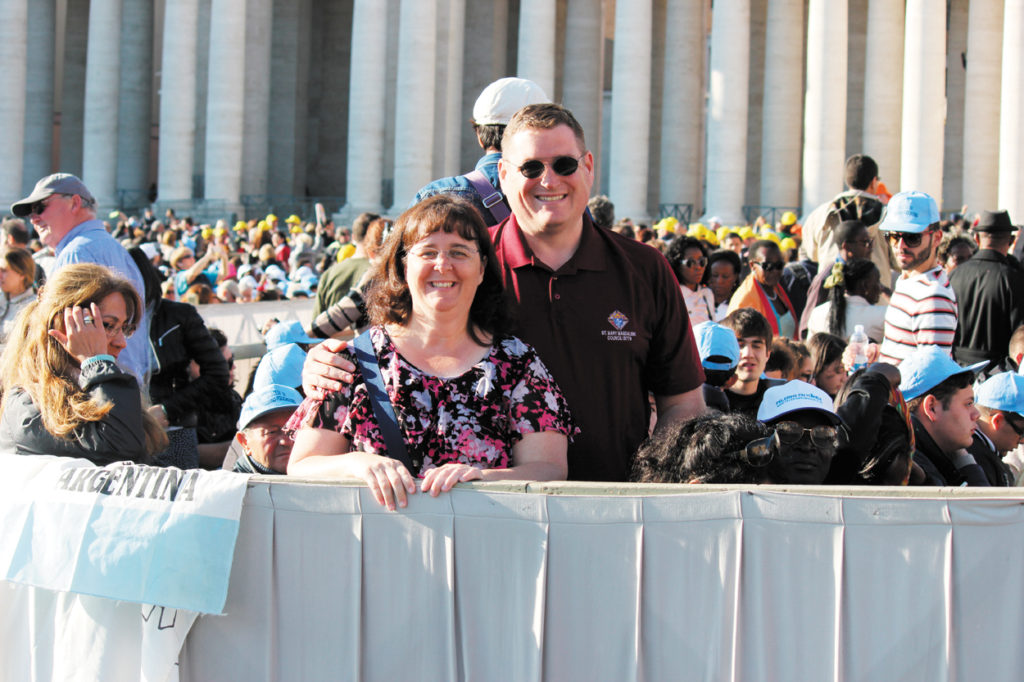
column 389, row 300
column 707, row 449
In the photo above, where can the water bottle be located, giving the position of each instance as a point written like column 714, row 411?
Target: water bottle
column 858, row 344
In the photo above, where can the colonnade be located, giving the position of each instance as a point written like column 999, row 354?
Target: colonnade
column 721, row 105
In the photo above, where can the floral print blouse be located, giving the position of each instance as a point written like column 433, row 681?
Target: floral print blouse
column 474, row 418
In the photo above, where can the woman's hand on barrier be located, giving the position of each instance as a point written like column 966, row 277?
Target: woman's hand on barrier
column 83, row 335
column 388, row 479
column 325, row 370
column 443, row 478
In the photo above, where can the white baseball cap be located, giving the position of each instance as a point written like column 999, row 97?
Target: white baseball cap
column 792, row 396
column 503, row 98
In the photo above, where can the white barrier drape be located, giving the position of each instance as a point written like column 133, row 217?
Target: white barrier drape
column 732, row 585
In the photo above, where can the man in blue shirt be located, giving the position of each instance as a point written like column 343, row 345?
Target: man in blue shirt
column 491, row 112
column 63, row 212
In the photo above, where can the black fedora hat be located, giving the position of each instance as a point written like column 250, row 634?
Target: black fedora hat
column 995, row 221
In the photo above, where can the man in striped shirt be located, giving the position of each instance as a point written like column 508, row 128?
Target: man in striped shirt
column 923, row 310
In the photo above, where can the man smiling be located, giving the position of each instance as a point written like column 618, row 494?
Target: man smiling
column 604, row 312
column 923, row 309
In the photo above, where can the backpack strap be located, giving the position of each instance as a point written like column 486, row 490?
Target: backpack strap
column 366, row 360
column 491, row 197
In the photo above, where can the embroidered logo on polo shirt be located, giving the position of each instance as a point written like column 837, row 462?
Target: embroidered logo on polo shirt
column 619, row 321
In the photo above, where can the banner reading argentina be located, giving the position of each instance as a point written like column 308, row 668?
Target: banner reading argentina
column 151, row 535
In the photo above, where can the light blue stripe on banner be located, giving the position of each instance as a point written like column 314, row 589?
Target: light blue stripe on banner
column 182, row 561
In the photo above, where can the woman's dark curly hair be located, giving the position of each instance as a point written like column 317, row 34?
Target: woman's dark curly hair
column 707, row 449
column 723, row 254
column 389, row 300
column 676, row 252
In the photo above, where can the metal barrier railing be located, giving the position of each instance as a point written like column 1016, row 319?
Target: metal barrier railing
column 681, row 212
column 771, row 213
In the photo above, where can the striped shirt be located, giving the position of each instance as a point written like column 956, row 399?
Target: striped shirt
column 922, row 312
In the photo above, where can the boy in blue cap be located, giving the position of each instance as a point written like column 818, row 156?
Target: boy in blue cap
column 941, row 400
column 1000, row 428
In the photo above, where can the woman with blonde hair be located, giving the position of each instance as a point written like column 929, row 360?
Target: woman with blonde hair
column 63, row 393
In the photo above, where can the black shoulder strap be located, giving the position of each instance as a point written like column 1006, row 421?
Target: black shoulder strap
column 491, row 197
column 366, row 360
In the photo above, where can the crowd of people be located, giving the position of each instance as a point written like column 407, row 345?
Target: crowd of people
column 506, row 325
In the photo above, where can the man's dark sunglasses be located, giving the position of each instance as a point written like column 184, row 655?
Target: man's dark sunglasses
column 911, row 239
column 563, row 165
column 38, row 207
column 768, row 267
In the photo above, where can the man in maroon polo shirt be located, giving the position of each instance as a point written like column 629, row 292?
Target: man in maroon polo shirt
column 604, row 312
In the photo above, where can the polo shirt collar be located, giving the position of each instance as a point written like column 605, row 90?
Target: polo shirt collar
column 590, row 254
column 77, row 230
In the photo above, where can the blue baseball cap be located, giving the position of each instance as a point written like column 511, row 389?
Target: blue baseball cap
column 266, row 400
column 910, row 212
column 716, row 341
column 1002, row 392
column 288, row 332
column 927, row 367
column 281, row 366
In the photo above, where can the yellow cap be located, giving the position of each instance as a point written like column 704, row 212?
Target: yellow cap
column 295, row 229
column 346, row 252
column 788, row 243
column 219, row 231
column 207, row 232
column 746, row 232
column 241, row 226
column 788, row 218
column 668, row 224
column 293, row 219
column 271, row 218
column 264, row 226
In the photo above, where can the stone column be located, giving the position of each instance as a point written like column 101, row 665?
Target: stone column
column 825, row 104
column 981, row 105
column 225, row 105
column 73, row 91
column 682, row 108
column 102, row 90
column 38, row 95
column 135, row 114
column 448, row 122
column 178, row 101
column 583, row 69
column 1011, row 123
column 414, row 108
column 536, row 53
column 924, row 97
column 782, row 104
column 366, row 116
column 256, row 127
column 631, row 101
column 14, row 57
column 883, row 88
column 727, row 110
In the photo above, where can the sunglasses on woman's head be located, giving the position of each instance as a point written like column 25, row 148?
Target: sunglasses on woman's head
column 563, row 165
column 910, row 239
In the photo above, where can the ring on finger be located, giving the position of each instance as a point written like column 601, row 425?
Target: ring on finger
column 87, row 319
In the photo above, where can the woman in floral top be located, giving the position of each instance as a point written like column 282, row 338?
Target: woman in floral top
column 472, row 402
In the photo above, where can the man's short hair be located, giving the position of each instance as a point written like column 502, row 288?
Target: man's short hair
column 746, row 322
column 861, row 170
column 360, row 224
column 1016, row 346
column 944, row 391
column 544, row 117
column 758, row 248
column 602, row 210
column 489, row 135
column 16, row 230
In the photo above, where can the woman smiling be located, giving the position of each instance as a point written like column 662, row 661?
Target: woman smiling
column 471, row 402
